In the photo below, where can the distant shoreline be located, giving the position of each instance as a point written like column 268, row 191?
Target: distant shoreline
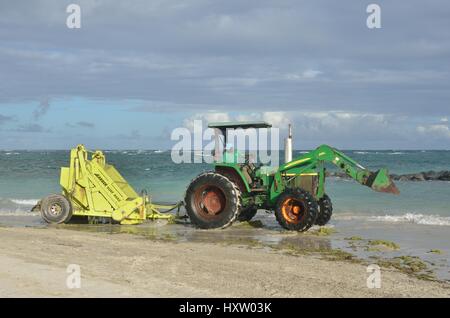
column 357, row 151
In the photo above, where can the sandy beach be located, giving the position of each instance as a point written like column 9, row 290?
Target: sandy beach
column 33, row 263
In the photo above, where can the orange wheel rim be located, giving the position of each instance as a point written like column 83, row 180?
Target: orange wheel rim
column 209, row 201
column 292, row 210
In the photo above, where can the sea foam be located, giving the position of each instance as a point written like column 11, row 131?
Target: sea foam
column 413, row 218
column 25, row 202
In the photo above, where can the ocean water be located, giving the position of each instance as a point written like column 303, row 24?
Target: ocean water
column 27, row 176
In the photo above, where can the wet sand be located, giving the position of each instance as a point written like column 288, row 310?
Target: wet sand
column 176, row 261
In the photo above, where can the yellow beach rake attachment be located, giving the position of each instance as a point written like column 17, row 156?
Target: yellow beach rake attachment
column 94, row 189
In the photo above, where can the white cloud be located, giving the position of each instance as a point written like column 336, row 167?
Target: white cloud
column 206, row 118
column 277, row 119
column 312, row 124
column 436, row 130
column 249, row 117
column 220, row 82
column 311, row 73
column 392, row 76
column 305, row 75
column 344, row 129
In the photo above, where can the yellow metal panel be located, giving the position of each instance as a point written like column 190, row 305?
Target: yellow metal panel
column 120, row 181
column 64, row 178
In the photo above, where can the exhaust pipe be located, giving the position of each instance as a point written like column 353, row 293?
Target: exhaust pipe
column 288, row 146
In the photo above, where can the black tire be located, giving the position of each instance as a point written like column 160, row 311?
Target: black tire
column 296, row 210
column 325, row 210
column 212, row 201
column 247, row 214
column 55, row 208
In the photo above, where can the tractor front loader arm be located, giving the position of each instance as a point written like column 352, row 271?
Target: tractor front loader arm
column 379, row 180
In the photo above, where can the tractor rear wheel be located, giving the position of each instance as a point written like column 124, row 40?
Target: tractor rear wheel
column 212, row 201
column 296, row 210
column 55, row 208
column 325, row 210
column 247, row 214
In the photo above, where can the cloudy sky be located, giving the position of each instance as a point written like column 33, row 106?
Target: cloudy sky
column 137, row 69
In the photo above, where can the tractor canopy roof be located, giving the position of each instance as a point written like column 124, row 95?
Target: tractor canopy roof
column 239, row 124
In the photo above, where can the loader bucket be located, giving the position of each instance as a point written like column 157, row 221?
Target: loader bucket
column 381, row 181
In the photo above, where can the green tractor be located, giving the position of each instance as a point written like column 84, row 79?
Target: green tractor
column 295, row 191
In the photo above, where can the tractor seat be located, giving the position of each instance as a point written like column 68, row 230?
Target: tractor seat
column 247, row 171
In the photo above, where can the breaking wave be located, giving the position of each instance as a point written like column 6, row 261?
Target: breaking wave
column 18, row 206
column 413, row 218
column 361, row 152
column 11, row 153
column 395, row 153
column 25, row 202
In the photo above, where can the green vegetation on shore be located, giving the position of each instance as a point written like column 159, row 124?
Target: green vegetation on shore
column 435, row 251
column 382, row 243
column 251, row 224
column 354, row 238
column 411, row 265
column 323, row 231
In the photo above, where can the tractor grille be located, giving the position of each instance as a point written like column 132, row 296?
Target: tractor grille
column 308, row 182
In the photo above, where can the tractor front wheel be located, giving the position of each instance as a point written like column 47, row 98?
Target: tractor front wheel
column 55, row 208
column 325, row 210
column 212, row 201
column 296, row 210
